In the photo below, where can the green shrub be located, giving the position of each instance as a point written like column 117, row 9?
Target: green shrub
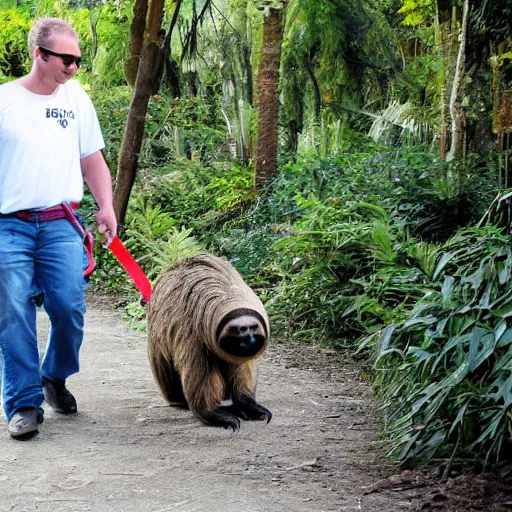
column 113, row 32
column 445, row 371
column 14, row 57
column 336, row 244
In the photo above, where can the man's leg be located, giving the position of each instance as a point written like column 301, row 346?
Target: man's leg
column 21, row 382
column 59, row 274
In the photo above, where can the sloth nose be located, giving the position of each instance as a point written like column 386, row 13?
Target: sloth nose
column 248, row 341
column 242, row 345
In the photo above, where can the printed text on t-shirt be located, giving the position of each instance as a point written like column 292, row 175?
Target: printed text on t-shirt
column 61, row 115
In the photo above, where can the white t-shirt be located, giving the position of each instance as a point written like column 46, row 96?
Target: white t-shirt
column 42, row 139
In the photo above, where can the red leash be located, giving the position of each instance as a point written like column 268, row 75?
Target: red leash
column 132, row 267
column 87, row 236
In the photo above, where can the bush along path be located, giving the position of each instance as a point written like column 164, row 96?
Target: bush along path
column 127, row 450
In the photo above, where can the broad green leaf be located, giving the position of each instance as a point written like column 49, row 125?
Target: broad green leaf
column 419, row 355
column 504, row 272
column 503, row 363
column 449, row 382
column 501, row 298
column 445, row 259
column 505, row 338
column 447, row 290
column 386, row 336
column 504, row 391
column 475, row 279
column 486, row 296
column 408, row 445
column 427, row 320
column 488, row 344
column 460, row 416
column 504, row 311
column 490, row 431
column 500, row 329
column 384, row 353
column 433, row 443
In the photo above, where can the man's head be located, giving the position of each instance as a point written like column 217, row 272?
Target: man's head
column 54, row 46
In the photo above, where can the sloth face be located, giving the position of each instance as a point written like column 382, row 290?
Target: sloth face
column 242, row 336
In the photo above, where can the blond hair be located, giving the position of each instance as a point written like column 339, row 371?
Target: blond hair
column 44, row 28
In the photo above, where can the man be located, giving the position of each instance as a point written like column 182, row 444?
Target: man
column 50, row 141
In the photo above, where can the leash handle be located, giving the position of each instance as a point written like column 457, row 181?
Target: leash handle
column 132, row 267
column 106, row 244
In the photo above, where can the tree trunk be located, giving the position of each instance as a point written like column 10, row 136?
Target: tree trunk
column 171, row 75
column 93, row 24
column 456, row 111
column 442, row 37
column 268, row 97
column 134, row 128
column 243, row 28
column 245, row 60
column 316, row 87
column 137, row 29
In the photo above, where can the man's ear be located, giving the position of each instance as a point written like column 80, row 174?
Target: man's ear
column 39, row 53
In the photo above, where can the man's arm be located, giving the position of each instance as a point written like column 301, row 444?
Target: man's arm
column 97, row 176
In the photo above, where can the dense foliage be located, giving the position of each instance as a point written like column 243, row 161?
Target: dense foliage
column 369, row 239
column 362, row 250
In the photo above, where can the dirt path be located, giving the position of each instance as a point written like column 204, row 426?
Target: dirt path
column 127, row 451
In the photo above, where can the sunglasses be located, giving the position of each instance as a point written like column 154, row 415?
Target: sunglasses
column 67, row 59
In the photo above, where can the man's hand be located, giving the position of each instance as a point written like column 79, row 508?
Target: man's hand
column 107, row 224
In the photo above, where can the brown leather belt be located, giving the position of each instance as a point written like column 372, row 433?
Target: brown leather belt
column 53, row 213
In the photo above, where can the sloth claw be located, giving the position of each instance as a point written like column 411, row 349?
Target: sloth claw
column 221, row 417
column 234, row 425
column 231, row 422
column 250, row 409
column 264, row 415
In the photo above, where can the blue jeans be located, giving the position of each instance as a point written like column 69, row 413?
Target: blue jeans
column 38, row 257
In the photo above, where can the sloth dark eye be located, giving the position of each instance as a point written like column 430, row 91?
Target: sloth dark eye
column 234, row 329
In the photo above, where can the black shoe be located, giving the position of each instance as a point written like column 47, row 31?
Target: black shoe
column 23, row 423
column 58, row 397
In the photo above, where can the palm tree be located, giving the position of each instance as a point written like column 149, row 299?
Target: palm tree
column 268, row 94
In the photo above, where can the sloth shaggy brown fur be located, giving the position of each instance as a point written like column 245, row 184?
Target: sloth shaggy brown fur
column 206, row 328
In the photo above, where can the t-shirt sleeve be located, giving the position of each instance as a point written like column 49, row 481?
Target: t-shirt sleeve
column 90, row 136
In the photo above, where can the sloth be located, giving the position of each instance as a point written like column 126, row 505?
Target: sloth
column 206, row 329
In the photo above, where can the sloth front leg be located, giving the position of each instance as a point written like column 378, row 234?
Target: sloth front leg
column 204, row 392
column 243, row 378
